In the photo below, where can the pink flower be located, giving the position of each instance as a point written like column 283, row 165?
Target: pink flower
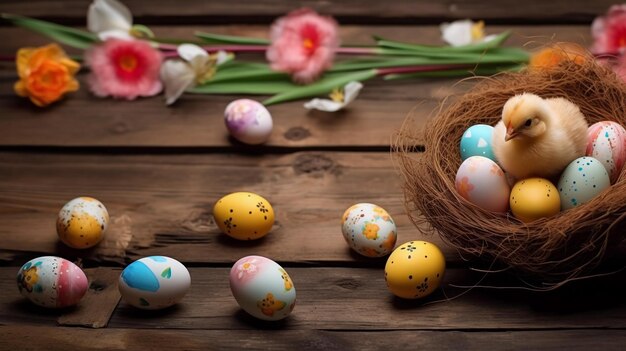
column 609, row 31
column 124, row 69
column 303, row 45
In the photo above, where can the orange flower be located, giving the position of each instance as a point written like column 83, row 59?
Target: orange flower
column 46, row 74
column 552, row 56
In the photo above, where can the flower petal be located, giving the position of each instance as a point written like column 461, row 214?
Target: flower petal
column 351, row 91
column 108, row 15
column 190, row 51
column 457, row 33
column 177, row 76
column 324, row 105
column 114, row 34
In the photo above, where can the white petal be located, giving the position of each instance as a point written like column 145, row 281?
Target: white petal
column 489, row 37
column 457, row 33
column 177, row 77
column 106, row 15
column 351, row 91
column 324, row 105
column 189, row 51
column 222, row 56
column 115, row 34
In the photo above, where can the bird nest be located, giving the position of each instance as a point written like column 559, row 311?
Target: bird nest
column 549, row 251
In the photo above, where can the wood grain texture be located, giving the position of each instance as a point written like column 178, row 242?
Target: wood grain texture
column 62, row 339
column 98, row 304
column 349, row 11
column 340, row 298
column 196, row 120
column 166, row 203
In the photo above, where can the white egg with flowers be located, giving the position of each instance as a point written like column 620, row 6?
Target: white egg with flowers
column 482, row 182
column 248, row 121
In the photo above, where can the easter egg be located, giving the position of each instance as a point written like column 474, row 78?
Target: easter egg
column 154, row 282
column 482, row 182
column 50, row 281
column 534, row 198
column 82, row 222
column 606, row 142
column 262, row 288
column 414, row 269
column 582, row 180
column 369, row 230
column 244, row 216
column 248, row 121
column 476, row 141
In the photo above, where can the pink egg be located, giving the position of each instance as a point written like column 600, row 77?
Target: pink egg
column 482, row 182
column 606, row 142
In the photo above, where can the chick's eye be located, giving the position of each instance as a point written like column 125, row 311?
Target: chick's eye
column 528, row 122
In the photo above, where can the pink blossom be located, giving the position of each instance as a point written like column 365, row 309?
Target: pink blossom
column 609, row 31
column 303, row 45
column 124, row 69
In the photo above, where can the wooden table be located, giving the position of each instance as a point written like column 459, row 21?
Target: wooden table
column 160, row 169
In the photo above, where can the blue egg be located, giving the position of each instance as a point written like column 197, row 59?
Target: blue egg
column 476, row 141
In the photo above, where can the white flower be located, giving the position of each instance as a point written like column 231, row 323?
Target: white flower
column 196, row 67
column 464, row 32
column 338, row 98
column 109, row 19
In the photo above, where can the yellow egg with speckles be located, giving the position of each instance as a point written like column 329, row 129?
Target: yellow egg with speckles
column 534, row 198
column 82, row 222
column 414, row 269
column 244, row 215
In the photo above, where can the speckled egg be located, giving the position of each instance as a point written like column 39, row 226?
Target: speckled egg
column 248, row 121
column 476, row 141
column 415, row 269
column 369, row 230
column 606, row 142
column 482, row 182
column 244, row 215
column 82, row 222
column 154, row 282
column 262, row 288
column 50, row 281
column 581, row 181
column 534, row 198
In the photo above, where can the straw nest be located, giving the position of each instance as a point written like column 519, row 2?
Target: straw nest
column 548, row 251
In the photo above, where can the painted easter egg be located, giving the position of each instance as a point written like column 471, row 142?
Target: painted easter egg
column 414, row 269
column 248, row 121
column 582, row 180
column 369, row 230
column 50, row 281
column 244, row 215
column 534, row 198
column 154, row 282
column 606, row 142
column 262, row 288
column 482, row 182
column 476, row 141
column 82, row 222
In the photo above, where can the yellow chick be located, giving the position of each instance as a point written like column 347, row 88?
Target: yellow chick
column 539, row 137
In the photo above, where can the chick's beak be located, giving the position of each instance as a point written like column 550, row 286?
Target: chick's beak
column 510, row 134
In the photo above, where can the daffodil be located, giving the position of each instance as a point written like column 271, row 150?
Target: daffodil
column 195, row 67
column 112, row 19
column 339, row 98
column 464, row 32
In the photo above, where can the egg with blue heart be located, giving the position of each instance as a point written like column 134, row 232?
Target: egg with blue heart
column 476, row 141
column 154, row 282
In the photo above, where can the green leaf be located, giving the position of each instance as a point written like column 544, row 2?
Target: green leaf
column 479, row 71
column 323, row 86
column 66, row 35
column 167, row 273
column 245, row 87
column 230, row 39
column 253, row 74
column 478, row 47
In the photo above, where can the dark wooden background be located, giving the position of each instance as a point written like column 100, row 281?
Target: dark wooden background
column 159, row 170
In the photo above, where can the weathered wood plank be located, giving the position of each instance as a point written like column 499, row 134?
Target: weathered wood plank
column 98, row 304
column 162, row 204
column 196, row 121
column 62, row 339
column 534, row 11
column 340, row 298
